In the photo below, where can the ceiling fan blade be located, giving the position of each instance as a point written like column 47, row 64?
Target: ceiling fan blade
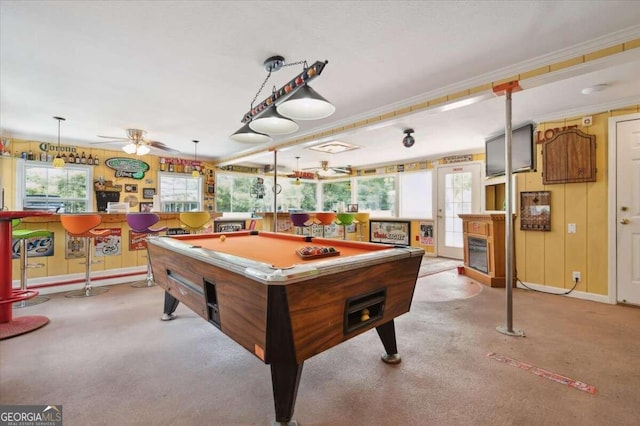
column 113, row 137
column 108, row 142
column 344, row 170
column 161, row 146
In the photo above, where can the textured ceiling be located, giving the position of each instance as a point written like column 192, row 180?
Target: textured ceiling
column 189, row 70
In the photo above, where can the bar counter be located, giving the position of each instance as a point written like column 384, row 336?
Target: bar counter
column 63, row 270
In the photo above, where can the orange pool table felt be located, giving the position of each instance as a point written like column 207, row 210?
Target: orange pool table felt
column 275, row 249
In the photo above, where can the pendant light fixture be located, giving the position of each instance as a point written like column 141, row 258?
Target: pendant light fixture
column 246, row 135
column 58, row 162
column 273, row 123
column 306, row 104
column 295, row 100
column 297, row 173
column 195, row 173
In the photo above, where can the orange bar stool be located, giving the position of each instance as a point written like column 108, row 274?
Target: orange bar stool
column 83, row 226
column 363, row 222
column 325, row 219
column 194, row 221
column 24, row 235
column 142, row 223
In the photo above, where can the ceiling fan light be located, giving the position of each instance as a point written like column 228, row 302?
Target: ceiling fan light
column 246, row 135
column 142, row 150
column 270, row 122
column 129, row 148
column 306, row 104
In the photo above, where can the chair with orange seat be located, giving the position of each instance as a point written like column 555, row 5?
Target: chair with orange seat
column 83, row 226
column 24, row 235
column 325, row 219
column 142, row 223
column 194, row 221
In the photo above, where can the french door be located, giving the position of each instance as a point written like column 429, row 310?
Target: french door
column 459, row 191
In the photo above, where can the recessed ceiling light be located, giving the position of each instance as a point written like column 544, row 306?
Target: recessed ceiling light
column 334, row 147
column 594, row 89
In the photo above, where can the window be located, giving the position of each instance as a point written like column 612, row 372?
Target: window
column 180, row 192
column 377, row 195
column 300, row 197
column 66, row 190
column 336, row 194
column 416, row 194
column 238, row 193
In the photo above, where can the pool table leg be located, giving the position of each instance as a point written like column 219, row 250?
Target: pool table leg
column 387, row 333
column 285, row 378
column 170, row 305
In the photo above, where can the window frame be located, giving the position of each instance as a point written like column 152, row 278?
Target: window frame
column 23, row 166
column 161, row 193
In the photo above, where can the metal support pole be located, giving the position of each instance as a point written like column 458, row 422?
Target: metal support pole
column 508, row 217
column 275, row 193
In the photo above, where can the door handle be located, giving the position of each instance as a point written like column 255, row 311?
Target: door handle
column 624, row 221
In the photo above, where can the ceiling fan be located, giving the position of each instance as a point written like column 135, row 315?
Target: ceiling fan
column 325, row 171
column 137, row 144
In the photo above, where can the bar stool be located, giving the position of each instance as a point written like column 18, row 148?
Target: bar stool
column 345, row 219
column 363, row 221
column 83, row 226
column 301, row 221
column 325, row 218
column 23, row 235
column 142, row 223
column 194, row 221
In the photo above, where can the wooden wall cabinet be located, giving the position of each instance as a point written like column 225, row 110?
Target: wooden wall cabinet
column 484, row 247
column 570, row 156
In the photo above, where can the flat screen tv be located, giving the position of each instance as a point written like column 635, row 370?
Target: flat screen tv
column 523, row 151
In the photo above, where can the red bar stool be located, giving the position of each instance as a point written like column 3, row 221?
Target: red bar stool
column 194, row 221
column 83, row 226
column 142, row 223
column 23, row 235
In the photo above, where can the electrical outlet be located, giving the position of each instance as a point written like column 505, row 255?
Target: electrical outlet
column 571, row 228
column 576, row 276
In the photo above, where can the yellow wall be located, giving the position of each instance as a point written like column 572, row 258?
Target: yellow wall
column 549, row 258
column 8, row 171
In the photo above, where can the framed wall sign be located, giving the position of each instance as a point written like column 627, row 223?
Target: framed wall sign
column 535, row 211
column 148, row 193
column 146, row 207
column 396, row 232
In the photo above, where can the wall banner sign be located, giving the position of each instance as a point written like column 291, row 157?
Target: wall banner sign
column 127, row 167
column 457, row 159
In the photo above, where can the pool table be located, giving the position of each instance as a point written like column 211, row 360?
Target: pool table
column 282, row 307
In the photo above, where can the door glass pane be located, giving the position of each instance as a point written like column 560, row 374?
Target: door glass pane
column 457, row 201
